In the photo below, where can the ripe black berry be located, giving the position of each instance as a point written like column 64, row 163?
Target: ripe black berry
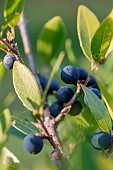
column 9, row 61
column 83, row 74
column 76, row 108
column 97, row 92
column 54, row 86
column 64, row 94
column 101, row 140
column 33, row 144
column 93, row 83
column 55, row 108
column 70, row 75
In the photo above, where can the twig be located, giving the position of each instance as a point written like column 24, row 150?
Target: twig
column 27, row 48
column 12, row 48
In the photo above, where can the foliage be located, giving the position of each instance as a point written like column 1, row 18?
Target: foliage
column 96, row 43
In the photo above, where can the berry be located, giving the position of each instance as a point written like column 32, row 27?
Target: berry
column 97, row 92
column 93, row 83
column 70, row 75
column 83, row 74
column 101, row 140
column 55, row 108
column 64, row 94
column 54, row 86
column 33, row 144
column 76, row 108
column 9, row 61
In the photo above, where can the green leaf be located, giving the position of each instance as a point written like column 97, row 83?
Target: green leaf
column 107, row 98
column 2, row 70
column 51, row 38
column 70, row 53
column 26, row 86
column 102, row 40
column 24, row 126
column 98, row 110
column 13, row 11
column 5, row 120
column 87, row 24
column 3, row 47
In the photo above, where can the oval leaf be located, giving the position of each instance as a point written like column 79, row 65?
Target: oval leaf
column 26, row 86
column 102, row 40
column 107, row 98
column 24, row 126
column 87, row 24
column 51, row 38
column 5, row 120
column 98, row 110
column 13, row 11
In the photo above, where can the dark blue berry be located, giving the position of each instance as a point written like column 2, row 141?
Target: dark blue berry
column 97, row 92
column 93, row 83
column 101, row 140
column 76, row 108
column 64, row 94
column 55, row 108
column 83, row 74
column 9, row 61
column 33, row 144
column 70, row 75
column 54, row 86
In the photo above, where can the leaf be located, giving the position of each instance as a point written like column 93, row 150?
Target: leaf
column 87, row 24
column 24, row 126
column 5, row 120
column 98, row 110
column 54, row 70
column 26, row 86
column 3, row 47
column 51, row 38
column 2, row 70
column 102, row 40
column 70, row 53
column 13, row 11
column 107, row 98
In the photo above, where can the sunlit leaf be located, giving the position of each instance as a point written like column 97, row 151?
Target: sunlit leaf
column 98, row 110
column 51, row 38
column 102, row 40
column 107, row 98
column 87, row 24
column 2, row 70
column 24, row 126
column 13, row 11
column 26, row 86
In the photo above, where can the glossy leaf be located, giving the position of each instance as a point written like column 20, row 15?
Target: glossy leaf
column 24, row 126
column 26, row 86
column 5, row 120
column 51, row 38
column 87, row 24
column 107, row 98
column 13, row 11
column 98, row 110
column 102, row 40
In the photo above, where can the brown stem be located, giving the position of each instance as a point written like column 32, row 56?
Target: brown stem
column 12, row 48
column 27, row 48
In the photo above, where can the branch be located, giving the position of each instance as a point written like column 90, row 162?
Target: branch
column 12, row 48
column 27, row 48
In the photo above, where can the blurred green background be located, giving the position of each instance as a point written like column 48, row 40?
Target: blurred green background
column 38, row 12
